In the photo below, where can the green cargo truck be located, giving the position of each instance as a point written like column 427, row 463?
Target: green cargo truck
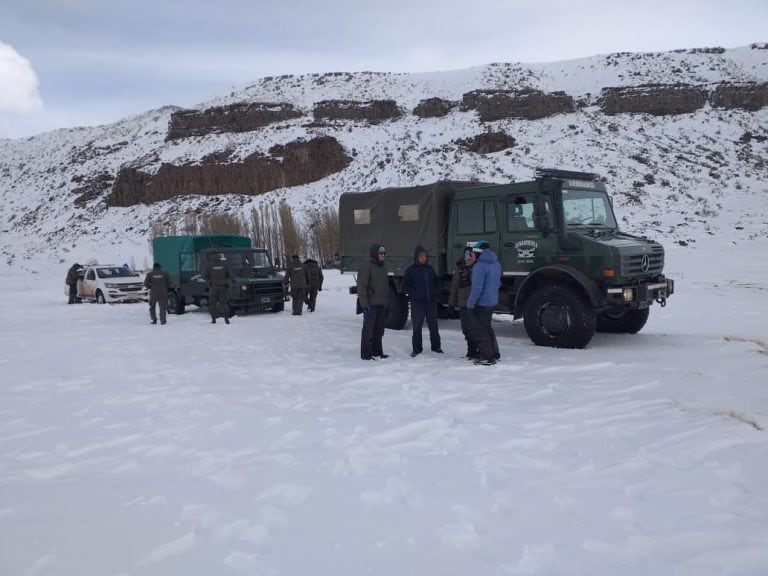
column 256, row 286
column 567, row 269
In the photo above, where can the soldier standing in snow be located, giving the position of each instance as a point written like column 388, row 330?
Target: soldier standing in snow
column 373, row 296
column 72, row 277
column 158, row 281
column 297, row 278
column 315, row 275
column 421, row 284
column 216, row 273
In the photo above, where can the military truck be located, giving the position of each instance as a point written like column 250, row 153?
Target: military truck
column 256, row 286
column 567, row 269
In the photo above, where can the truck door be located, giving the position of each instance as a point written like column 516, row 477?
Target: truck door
column 524, row 247
column 474, row 219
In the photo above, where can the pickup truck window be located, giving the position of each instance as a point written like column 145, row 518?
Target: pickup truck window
column 114, row 272
column 476, row 217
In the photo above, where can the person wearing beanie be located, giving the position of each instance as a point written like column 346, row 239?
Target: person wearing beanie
column 482, row 301
column 297, row 279
column 372, row 299
column 461, row 284
column 421, row 284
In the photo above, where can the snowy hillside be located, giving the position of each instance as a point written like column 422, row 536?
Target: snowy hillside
column 674, row 177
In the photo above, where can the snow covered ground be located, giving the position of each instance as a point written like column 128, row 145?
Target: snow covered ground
column 268, row 448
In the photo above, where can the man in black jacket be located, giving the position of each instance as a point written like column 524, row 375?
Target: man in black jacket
column 73, row 275
column 421, row 284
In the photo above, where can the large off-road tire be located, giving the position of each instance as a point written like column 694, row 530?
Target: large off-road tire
column 559, row 316
column 622, row 321
column 176, row 303
column 100, row 297
column 397, row 315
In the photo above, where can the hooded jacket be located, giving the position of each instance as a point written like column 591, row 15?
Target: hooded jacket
column 314, row 274
column 373, row 280
column 420, row 281
column 486, row 279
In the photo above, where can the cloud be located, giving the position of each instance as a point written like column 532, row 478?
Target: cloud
column 18, row 83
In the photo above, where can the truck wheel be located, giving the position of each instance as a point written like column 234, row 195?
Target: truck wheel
column 622, row 321
column 397, row 315
column 100, row 297
column 559, row 316
column 175, row 303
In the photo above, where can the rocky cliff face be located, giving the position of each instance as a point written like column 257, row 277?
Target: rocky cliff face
column 525, row 104
column 747, row 96
column 433, row 108
column 656, row 99
column 373, row 111
column 240, row 117
column 299, row 162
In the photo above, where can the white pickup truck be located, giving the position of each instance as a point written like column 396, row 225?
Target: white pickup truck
column 110, row 283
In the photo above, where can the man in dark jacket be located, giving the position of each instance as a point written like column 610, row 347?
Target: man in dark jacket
column 158, row 281
column 216, row 273
column 297, row 278
column 461, row 284
column 73, row 275
column 421, row 284
column 373, row 296
column 315, row 276
column 482, row 301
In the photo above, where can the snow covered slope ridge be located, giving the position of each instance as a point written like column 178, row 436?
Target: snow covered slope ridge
column 681, row 137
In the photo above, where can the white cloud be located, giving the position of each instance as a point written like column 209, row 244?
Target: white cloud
column 18, row 82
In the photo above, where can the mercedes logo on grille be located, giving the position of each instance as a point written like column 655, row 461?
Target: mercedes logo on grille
column 645, row 263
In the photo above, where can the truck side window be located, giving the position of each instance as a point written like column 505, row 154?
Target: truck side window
column 362, row 216
column 408, row 213
column 476, row 217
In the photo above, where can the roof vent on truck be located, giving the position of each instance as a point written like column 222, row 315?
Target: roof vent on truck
column 566, row 174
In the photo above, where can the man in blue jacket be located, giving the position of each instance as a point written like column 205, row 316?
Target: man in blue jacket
column 483, row 298
column 421, row 284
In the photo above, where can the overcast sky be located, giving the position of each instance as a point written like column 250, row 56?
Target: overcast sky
column 82, row 62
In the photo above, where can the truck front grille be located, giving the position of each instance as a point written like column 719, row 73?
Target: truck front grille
column 643, row 264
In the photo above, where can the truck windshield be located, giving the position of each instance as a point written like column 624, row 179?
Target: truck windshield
column 587, row 208
column 248, row 259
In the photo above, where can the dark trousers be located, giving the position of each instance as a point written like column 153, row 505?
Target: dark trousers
column 297, row 297
column 419, row 312
column 311, row 298
column 467, row 329
column 161, row 300
column 72, row 293
column 217, row 301
column 373, row 333
column 483, row 334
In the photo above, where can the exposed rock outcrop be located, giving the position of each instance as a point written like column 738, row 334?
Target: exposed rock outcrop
column 655, row 99
column 240, row 117
column 487, row 143
column 293, row 164
column 527, row 104
column 748, row 96
column 433, row 108
column 373, row 111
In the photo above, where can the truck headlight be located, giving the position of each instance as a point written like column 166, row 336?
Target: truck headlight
column 244, row 288
column 110, row 285
column 629, row 294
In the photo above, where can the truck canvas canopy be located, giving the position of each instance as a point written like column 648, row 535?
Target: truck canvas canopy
column 399, row 218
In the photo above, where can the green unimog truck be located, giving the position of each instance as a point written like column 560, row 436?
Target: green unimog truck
column 256, row 286
column 567, row 269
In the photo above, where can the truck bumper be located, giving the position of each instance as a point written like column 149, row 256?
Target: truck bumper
column 640, row 295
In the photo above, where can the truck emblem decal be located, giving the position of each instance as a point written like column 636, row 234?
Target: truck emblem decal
column 645, row 263
column 526, row 249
